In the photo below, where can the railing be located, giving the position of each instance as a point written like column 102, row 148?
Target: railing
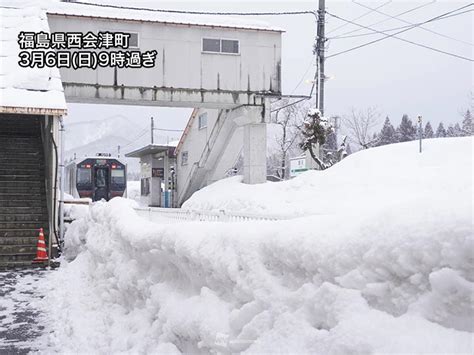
column 157, row 214
column 211, row 141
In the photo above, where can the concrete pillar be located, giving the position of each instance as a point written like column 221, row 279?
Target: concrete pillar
column 255, row 153
column 155, row 187
column 166, row 174
column 254, row 121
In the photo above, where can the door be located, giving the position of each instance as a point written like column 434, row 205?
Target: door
column 101, row 184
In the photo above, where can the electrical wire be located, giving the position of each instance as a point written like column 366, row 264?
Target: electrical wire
column 277, row 13
column 395, row 28
column 385, row 20
column 304, row 76
column 401, row 39
column 411, row 23
column 141, row 134
column 359, row 17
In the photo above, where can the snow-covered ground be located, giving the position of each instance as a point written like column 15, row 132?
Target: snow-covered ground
column 380, row 259
column 20, row 324
column 133, row 190
column 393, row 176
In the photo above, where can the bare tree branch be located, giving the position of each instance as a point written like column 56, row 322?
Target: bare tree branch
column 360, row 124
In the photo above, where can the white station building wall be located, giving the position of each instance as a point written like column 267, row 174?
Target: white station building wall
column 181, row 61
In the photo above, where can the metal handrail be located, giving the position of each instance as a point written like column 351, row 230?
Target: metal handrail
column 205, row 153
column 195, row 215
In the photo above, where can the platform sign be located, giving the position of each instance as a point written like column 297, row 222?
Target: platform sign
column 158, row 172
column 297, row 166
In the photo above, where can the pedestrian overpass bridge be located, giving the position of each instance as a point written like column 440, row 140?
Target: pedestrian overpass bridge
column 202, row 62
column 217, row 63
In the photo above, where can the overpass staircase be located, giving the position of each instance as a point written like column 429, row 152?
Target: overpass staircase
column 221, row 151
column 23, row 206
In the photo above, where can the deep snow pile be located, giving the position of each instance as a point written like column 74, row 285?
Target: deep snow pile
column 389, row 176
column 395, row 277
column 133, row 190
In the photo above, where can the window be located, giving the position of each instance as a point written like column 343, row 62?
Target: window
column 213, row 45
column 230, row 46
column 84, row 176
column 118, row 176
column 101, row 177
column 203, row 120
column 184, row 158
column 133, row 40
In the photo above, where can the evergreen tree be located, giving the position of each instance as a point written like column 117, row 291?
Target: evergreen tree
column 375, row 140
column 348, row 149
column 450, row 131
column 315, row 130
column 467, row 124
column 440, row 131
column 428, row 133
column 406, row 131
column 329, row 149
column 331, row 141
column 387, row 134
column 457, row 130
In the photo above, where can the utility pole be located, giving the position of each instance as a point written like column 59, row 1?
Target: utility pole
column 152, row 129
column 320, row 43
column 420, row 129
column 62, row 187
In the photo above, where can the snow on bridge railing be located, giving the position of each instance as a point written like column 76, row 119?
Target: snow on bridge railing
column 155, row 213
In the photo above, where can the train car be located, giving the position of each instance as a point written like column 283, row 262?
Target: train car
column 97, row 178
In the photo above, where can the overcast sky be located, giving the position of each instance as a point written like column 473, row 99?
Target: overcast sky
column 395, row 76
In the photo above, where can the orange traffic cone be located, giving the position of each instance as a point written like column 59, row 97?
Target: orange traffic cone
column 41, row 255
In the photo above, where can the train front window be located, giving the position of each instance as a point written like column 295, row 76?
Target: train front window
column 84, row 176
column 101, row 178
column 118, row 177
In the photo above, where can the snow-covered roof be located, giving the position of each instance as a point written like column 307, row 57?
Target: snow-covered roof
column 149, row 15
column 26, row 90
column 153, row 149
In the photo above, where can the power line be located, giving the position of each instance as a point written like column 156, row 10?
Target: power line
column 359, row 17
column 401, row 39
column 304, row 76
column 277, row 13
column 141, row 134
column 382, row 21
column 396, row 28
column 411, row 23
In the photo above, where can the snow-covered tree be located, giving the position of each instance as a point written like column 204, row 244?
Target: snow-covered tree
column 440, row 131
column 315, row 130
column 387, row 134
column 428, row 132
column 458, row 132
column 467, row 124
column 450, row 131
column 348, row 149
column 406, row 131
column 329, row 148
